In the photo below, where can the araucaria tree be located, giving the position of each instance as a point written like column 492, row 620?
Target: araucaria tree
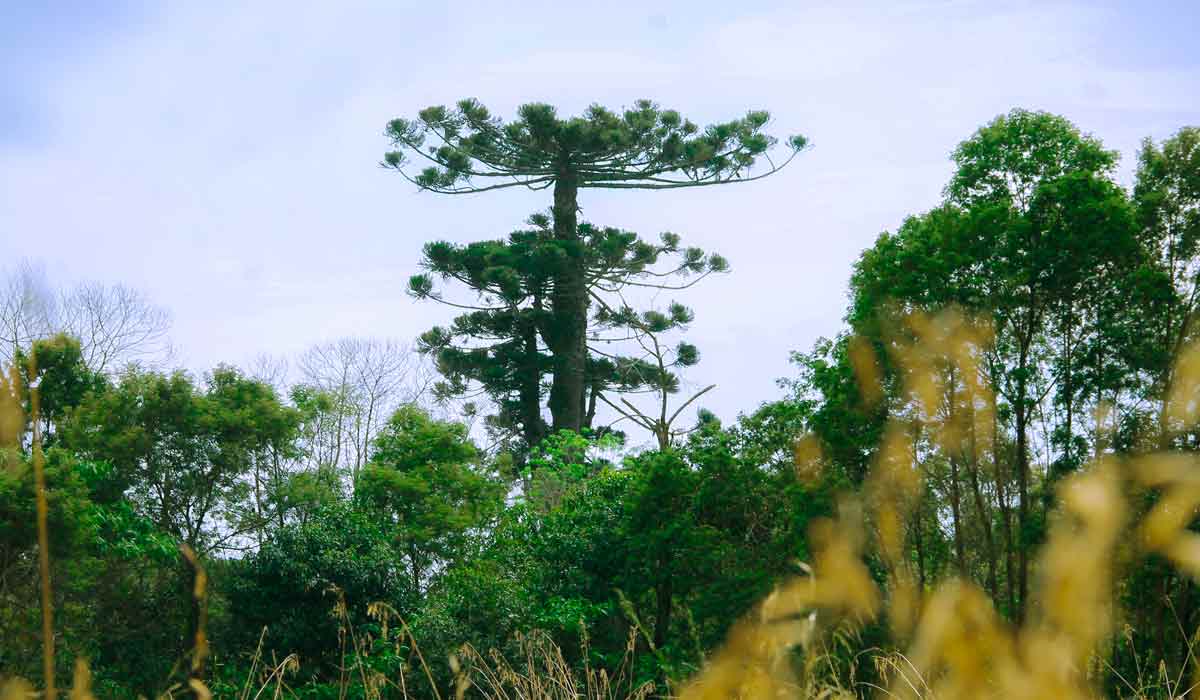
column 465, row 150
column 497, row 347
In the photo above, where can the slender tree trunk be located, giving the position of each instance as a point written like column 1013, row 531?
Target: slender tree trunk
column 919, row 544
column 531, row 383
column 1069, row 390
column 593, row 394
column 960, row 554
column 278, row 480
column 258, row 505
column 1021, row 414
column 569, row 304
column 662, row 617
column 1098, row 439
column 1005, row 514
column 416, row 568
column 364, row 449
column 195, row 590
column 985, row 521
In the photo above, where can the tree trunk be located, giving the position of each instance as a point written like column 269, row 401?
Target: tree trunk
column 1005, row 515
column 196, row 641
column 277, row 478
column 1021, row 414
column 960, row 554
column 985, row 521
column 593, row 394
column 1069, row 390
column 662, row 617
column 569, row 307
column 531, row 384
column 415, row 560
column 919, row 544
column 258, row 505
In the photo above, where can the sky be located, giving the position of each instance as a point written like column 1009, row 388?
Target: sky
column 223, row 157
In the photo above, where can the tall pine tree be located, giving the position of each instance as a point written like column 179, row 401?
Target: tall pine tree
column 466, row 149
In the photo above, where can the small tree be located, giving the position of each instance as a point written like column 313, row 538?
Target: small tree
column 58, row 368
column 657, row 368
column 422, row 477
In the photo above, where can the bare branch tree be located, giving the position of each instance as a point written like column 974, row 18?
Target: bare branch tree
column 271, row 369
column 28, row 308
column 115, row 324
column 657, row 369
column 367, row 380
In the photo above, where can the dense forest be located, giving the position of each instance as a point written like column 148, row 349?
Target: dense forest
column 1000, row 435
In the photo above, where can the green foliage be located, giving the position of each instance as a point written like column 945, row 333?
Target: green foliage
column 563, row 462
column 504, row 343
column 183, row 452
column 62, row 377
column 1083, row 290
column 640, row 147
column 1166, row 197
column 1006, row 161
column 829, row 401
column 75, row 520
column 96, row 543
column 292, row 583
column 424, row 480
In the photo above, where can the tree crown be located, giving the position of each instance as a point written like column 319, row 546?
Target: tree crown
column 643, row 147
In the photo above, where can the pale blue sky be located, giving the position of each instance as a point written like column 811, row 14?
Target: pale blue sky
column 221, row 156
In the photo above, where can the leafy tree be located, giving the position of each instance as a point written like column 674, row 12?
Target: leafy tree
column 469, row 150
column 1036, row 240
column 1034, row 235
column 1167, row 199
column 94, row 542
column 671, row 545
column 845, row 423
column 1006, row 161
column 62, row 377
column 292, row 583
column 560, row 464
column 189, row 456
column 424, row 478
column 71, row 530
column 69, row 510
column 1015, row 175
